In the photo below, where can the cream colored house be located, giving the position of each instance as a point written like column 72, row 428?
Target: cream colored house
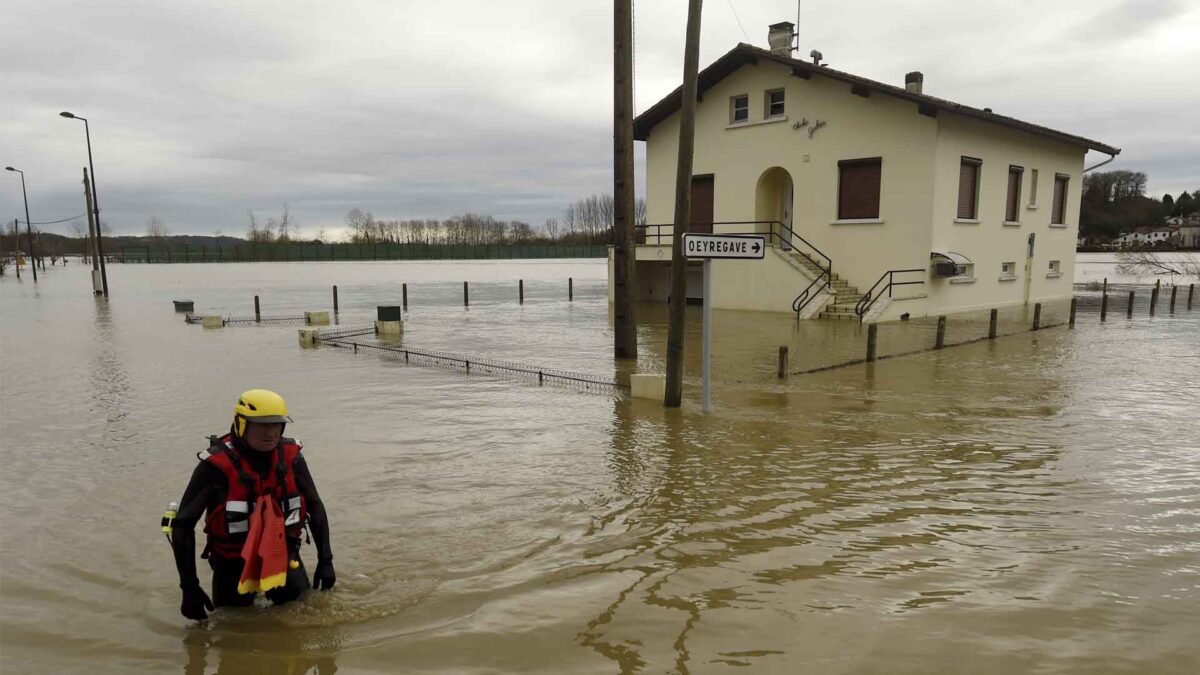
column 865, row 190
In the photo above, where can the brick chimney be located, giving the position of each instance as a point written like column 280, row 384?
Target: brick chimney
column 779, row 37
column 913, row 82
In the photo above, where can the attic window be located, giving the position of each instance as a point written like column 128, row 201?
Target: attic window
column 739, row 108
column 774, row 103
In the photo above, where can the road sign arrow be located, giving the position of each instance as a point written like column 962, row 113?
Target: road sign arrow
column 756, row 247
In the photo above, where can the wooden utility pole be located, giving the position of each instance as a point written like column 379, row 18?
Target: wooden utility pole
column 683, row 208
column 624, row 322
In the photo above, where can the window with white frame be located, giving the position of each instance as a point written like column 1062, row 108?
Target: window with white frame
column 968, row 188
column 1058, row 212
column 1012, row 202
column 1033, row 187
column 1055, row 268
column 1008, row 270
column 739, row 108
column 773, row 105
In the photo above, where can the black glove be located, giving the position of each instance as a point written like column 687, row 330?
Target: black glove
column 195, row 601
column 324, row 577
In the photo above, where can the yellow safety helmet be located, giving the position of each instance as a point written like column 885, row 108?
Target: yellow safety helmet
column 260, row 406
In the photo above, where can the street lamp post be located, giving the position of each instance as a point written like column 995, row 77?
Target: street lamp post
column 95, row 201
column 28, row 227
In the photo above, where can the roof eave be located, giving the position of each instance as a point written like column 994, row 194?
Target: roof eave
column 744, row 53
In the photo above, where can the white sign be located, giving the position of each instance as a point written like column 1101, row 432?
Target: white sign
column 724, row 246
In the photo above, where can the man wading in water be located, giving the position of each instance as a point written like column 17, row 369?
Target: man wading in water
column 255, row 487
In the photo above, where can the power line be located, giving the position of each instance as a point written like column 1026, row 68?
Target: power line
column 738, row 19
column 54, row 222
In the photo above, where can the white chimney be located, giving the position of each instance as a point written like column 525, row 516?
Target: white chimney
column 779, row 37
column 913, row 82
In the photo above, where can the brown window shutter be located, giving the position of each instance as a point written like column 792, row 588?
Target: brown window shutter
column 858, row 188
column 968, row 185
column 1059, row 209
column 1013, row 203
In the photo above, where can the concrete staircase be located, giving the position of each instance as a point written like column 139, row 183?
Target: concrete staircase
column 845, row 295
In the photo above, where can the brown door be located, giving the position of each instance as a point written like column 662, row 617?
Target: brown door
column 702, row 204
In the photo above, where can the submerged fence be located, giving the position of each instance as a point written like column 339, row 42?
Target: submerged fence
column 311, row 252
column 466, row 364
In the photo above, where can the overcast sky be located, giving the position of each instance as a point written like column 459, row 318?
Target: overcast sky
column 201, row 111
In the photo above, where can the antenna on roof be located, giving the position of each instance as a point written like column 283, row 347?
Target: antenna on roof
column 796, row 32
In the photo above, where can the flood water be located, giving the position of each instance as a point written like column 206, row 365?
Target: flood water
column 1028, row 504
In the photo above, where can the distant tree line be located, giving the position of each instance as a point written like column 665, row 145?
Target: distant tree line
column 1115, row 202
column 586, row 221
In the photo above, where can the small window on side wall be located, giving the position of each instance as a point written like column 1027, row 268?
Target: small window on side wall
column 858, row 188
column 968, row 188
column 773, row 106
column 1058, row 214
column 1055, row 267
column 1008, row 270
column 739, row 108
column 1033, row 187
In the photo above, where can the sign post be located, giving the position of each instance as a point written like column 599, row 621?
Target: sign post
column 709, row 247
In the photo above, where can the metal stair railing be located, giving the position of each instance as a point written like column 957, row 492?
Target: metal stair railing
column 868, row 299
column 653, row 234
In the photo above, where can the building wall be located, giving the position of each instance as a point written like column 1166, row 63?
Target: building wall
column 855, row 127
column 989, row 241
column 918, row 186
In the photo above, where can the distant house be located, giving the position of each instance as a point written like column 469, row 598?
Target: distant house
column 1148, row 237
column 860, row 186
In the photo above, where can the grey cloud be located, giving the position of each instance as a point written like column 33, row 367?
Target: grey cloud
column 202, row 111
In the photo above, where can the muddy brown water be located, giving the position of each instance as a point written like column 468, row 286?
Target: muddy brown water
column 1030, row 504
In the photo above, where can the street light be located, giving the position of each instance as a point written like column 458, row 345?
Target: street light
column 95, row 201
column 28, row 227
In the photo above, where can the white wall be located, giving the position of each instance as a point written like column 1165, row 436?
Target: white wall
column 918, row 188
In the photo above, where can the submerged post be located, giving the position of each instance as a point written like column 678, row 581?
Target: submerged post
column 781, row 369
column 1173, row 291
column 335, row 302
column 1037, row 315
column 992, row 321
column 466, row 295
column 1129, row 307
column 521, row 291
column 257, row 312
column 1191, row 289
column 1103, row 304
column 1154, row 296
column 941, row 333
column 404, row 296
column 1074, row 304
column 570, row 289
column 872, row 341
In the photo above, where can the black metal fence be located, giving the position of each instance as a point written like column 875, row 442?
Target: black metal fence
column 473, row 365
column 312, row 252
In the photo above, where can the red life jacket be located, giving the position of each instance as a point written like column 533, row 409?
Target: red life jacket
column 227, row 524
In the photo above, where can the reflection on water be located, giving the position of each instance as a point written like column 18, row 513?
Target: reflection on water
column 1018, row 505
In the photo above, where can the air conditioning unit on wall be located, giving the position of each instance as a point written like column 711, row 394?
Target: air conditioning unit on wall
column 945, row 269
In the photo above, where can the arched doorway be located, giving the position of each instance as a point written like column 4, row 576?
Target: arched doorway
column 773, row 202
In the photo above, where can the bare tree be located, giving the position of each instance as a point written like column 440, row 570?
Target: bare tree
column 156, row 229
column 285, row 225
column 1186, row 265
column 257, row 234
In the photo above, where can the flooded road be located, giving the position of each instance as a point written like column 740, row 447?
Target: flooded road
column 1030, row 504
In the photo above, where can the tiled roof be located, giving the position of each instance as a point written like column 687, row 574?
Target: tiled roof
column 748, row 54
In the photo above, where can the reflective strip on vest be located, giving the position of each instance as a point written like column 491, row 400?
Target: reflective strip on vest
column 238, row 526
column 237, row 507
column 293, row 503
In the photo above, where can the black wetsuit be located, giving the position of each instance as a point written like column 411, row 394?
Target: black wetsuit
column 205, row 491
